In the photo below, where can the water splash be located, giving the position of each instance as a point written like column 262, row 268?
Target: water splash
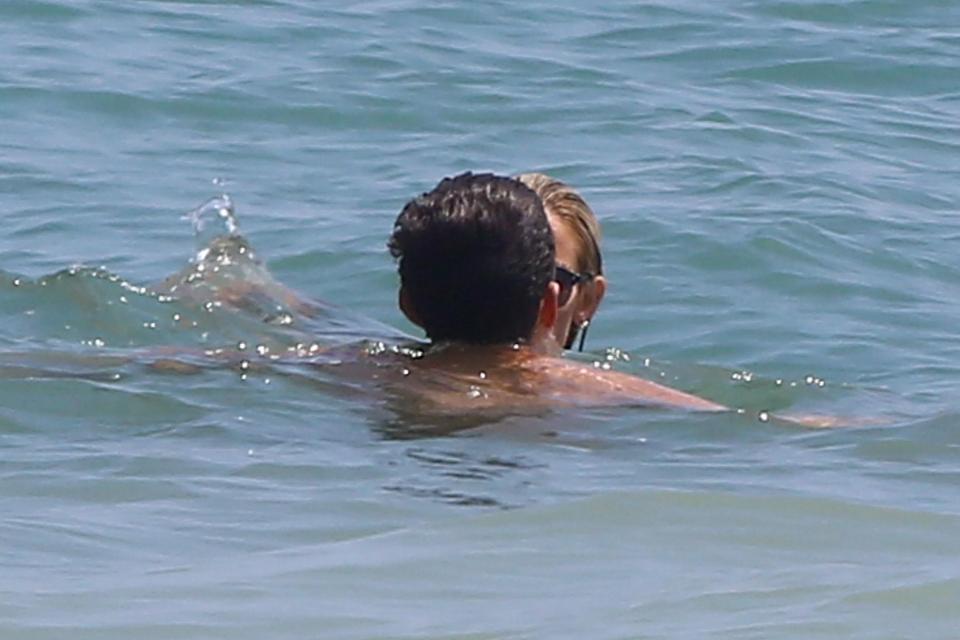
column 218, row 209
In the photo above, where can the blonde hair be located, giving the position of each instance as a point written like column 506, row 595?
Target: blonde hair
column 563, row 202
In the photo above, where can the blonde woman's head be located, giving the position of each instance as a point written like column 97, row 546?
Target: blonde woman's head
column 579, row 261
column 566, row 207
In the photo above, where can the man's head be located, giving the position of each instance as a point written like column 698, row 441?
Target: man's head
column 476, row 257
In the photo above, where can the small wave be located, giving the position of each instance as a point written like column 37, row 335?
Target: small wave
column 856, row 75
column 225, row 295
column 12, row 10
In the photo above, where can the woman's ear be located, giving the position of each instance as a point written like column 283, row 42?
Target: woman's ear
column 406, row 306
column 593, row 296
column 600, row 287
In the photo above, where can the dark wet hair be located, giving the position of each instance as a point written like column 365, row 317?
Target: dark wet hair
column 475, row 256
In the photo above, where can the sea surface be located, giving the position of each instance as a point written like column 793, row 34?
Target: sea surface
column 778, row 184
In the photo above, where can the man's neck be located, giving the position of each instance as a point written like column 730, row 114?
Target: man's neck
column 541, row 344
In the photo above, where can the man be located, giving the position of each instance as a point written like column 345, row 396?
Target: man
column 476, row 262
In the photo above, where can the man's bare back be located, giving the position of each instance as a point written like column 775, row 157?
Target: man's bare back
column 450, row 378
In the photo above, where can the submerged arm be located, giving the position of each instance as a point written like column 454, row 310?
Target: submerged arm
column 633, row 388
column 581, row 383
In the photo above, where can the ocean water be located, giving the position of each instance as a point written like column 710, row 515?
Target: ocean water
column 778, row 187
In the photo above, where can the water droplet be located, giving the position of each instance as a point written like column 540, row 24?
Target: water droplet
column 16, row 282
column 763, row 416
column 374, row 348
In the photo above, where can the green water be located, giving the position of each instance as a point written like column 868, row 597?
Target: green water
column 777, row 185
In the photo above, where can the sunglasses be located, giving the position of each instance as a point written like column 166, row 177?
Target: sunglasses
column 567, row 280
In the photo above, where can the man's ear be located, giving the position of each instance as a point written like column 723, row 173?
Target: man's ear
column 549, row 307
column 406, row 306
